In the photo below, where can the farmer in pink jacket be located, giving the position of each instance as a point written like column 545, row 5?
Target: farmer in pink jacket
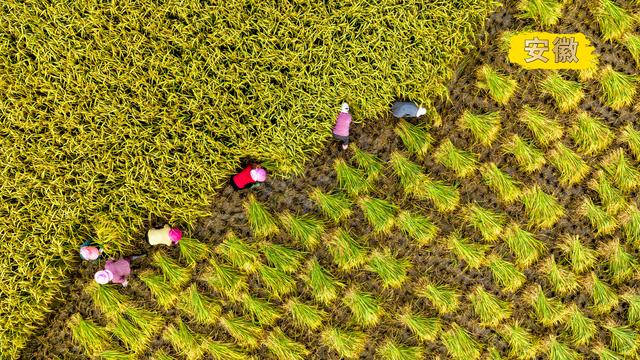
column 341, row 129
column 116, row 272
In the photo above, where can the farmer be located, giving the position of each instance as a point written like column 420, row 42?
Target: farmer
column 164, row 236
column 115, row 271
column 252, row 175
column 90, row 251
column 401, row 109
column 341, row 129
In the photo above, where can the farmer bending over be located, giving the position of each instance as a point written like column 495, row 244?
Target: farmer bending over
column 401, row 109
column 252, row 175
column 164, row 236
column 341, row 129
column 115, row 272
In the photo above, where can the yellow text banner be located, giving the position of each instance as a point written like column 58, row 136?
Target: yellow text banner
column 542, row 50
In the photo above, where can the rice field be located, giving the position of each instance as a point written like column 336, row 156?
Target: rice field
column 116, row 114
column 505, row 227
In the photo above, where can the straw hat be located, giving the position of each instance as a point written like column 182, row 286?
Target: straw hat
column 259, row 174
column 103, row 277
column 89, row 253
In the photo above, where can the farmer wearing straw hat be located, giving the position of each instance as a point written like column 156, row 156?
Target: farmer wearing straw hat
column 164, row 236
column 114, row 271
column 401, row 109
column 90, row 251
column 341, row 129
column 252, row 175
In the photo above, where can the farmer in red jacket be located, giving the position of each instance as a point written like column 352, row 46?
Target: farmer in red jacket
column 341, row 129
column 249, row 177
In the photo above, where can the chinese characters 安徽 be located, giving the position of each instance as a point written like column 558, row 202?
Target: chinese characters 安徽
column 565, row 49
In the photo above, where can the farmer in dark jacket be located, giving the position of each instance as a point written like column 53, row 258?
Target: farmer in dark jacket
column 401, row 109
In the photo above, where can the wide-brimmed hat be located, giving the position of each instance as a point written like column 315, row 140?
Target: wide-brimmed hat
column 89, row 253
column 259, row 174
column 103, row 277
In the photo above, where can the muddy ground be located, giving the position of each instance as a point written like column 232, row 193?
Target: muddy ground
column 433, row 261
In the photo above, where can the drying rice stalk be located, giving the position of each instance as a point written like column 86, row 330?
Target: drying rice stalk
column 304, row 229
column 164, row 294
column 414, row 137
column 570, row 165
column 618, row 89
column 567, row 93
column 171, row 270
column 489, row 308
column 283, row 348
column 471, row 253
column 545, row 130
column 529, row 157
column 276, row 281
column 581, row 257
column 262, row 223
column 526, row 248
column 562, row 281
column 422, row 327
column 461, row 162
column 603, row 222
column 603, row 296
column 548, row 311
column 334, row 206
column 281, row 257
column 380, row 213
column 201, row 308
column 500, row 87
column 590, row 134
column 348, row 344
column 365, row 308
column 544, row 12
column 347, row 252
column 581, row 328
column 261, row 311
column 522, row 344
column 184, row 341
column 305, row 316
column 505, row 274
column 391, row 270
column 459, row 343
column 323, row 285
column 621, row 265
column 225, row 280
column 503, row 184
column 417, row 227
column 192, row 250
column 490, row 224
column 619, row 168
column 239, row 253
column 390, row 350
column 243, row 331
column 350, row 180
column 484, row 127
column 91, row 337
column 614, row 20
column 443, row 297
